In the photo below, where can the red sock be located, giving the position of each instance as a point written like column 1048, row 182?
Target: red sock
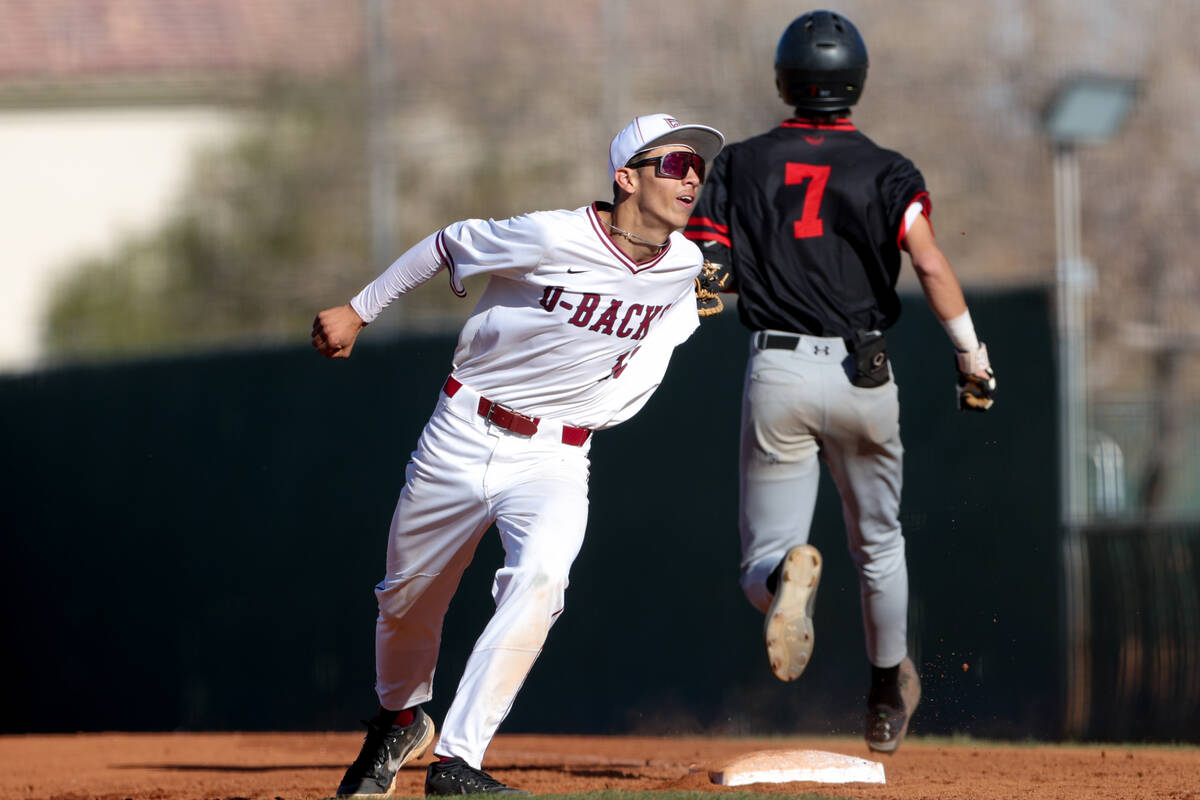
column 401, row 718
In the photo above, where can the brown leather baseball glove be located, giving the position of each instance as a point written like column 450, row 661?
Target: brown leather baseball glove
column 712, row 279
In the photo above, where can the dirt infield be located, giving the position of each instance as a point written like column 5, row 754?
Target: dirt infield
column 185, row 766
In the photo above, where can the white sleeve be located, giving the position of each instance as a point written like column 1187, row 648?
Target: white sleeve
column 418, row 264
column 477, row 246
column 915, row 209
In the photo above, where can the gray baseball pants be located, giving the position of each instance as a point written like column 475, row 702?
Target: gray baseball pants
column 797, row 405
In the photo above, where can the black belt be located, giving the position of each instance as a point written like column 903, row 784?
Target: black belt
column 776, row 341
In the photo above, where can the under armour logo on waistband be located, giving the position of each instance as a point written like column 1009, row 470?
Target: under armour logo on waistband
column 817, row 348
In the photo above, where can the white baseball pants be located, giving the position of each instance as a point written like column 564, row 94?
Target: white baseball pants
column 800, row 404
column 466, row 474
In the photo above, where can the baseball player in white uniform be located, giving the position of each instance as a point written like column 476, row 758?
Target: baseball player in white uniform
column 572, row 335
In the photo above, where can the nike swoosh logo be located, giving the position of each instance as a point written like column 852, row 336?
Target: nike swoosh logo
column 575, row 271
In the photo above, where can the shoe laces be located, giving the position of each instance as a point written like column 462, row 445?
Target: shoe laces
column 374, row 756
column 884, row 722
column 464, row 773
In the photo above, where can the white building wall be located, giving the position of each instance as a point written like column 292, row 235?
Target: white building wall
column 72, row 183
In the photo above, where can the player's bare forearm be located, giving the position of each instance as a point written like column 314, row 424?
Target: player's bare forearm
column 942, row 292
column 938, row 281
column 335, row 331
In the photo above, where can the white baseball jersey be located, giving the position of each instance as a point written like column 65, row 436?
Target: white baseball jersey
column 568, row 330
column 569, row 327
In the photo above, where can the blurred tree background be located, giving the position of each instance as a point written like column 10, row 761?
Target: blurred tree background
column 265, row 226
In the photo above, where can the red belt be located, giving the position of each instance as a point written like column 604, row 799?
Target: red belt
column 510, row 420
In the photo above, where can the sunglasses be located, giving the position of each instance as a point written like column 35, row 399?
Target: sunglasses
column 674, row 165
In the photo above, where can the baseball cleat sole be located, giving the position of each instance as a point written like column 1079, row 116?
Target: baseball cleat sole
column 788, row 629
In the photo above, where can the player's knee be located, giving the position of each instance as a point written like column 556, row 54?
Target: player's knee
column 551, row 582
column 531, row 599
column 400, row 595
column 881, row 558
column 540, row 583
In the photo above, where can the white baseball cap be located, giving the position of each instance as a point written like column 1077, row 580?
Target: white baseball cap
column 659, row 130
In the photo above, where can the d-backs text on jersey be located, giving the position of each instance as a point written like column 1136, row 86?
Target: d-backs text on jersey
column 581, row 313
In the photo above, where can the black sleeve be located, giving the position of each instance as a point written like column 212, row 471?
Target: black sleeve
column 709, row 225
column 902, row 185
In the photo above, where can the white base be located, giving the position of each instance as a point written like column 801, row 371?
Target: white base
column 785, row 766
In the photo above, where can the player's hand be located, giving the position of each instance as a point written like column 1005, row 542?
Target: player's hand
column 334, row 331
column 976, row 380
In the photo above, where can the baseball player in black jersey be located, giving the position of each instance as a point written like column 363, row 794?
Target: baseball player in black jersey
column 807, row 222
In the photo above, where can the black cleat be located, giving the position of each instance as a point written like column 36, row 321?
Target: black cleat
column 455, row 776
column 886, row 726
column 385, row 750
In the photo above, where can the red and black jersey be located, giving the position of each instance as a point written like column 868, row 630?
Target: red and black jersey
column 809, row 218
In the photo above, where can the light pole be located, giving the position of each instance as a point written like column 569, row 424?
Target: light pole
column 1086, row 110
column 381, row 159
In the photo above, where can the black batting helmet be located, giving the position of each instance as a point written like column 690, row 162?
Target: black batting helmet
column 821, row 62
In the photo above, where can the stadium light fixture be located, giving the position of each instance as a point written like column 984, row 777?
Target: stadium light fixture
column 1089, row 109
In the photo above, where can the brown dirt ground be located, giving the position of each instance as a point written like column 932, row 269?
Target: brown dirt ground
column 301, row 766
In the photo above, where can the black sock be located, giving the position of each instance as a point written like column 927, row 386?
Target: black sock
column 773, row 578
column 885, row 687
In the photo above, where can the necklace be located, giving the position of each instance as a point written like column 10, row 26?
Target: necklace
column 631, row 237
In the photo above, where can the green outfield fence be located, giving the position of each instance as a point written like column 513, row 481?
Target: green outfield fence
column 192, row 543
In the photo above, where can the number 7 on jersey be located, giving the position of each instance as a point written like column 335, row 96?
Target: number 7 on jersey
column 809, row 225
